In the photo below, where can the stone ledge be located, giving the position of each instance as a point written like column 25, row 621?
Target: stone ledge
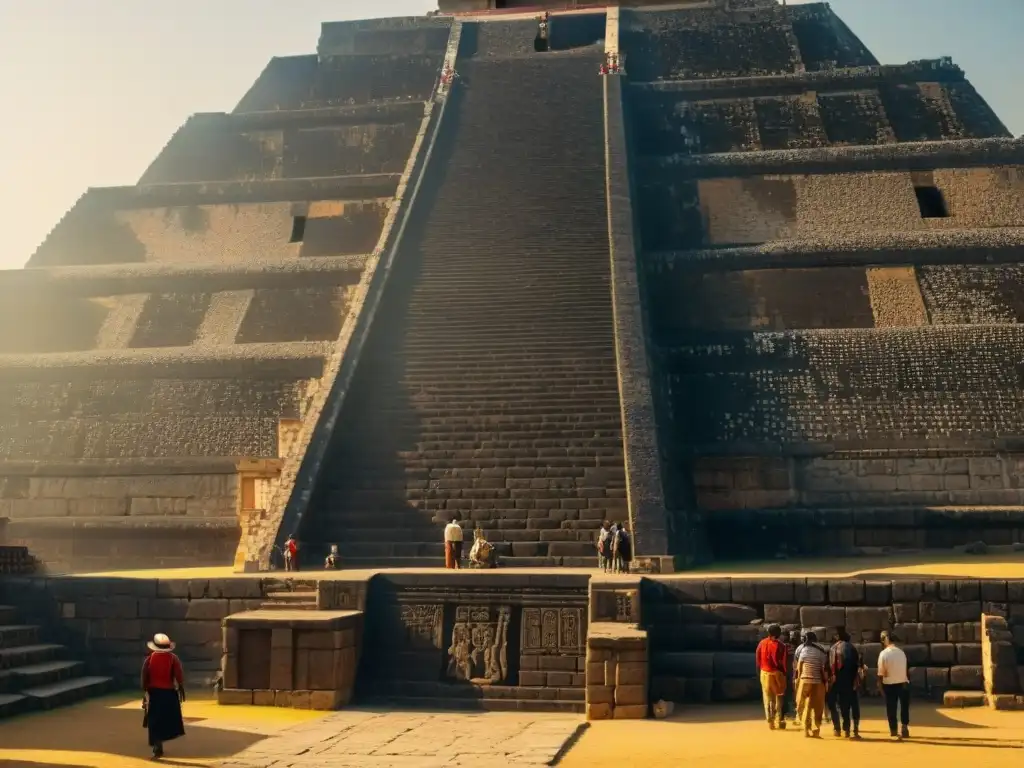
column 295, row 619
column 193, row 465
column 906, row 156
column 373, row 113
column 965, row 246
column 365, row 187
column 19, row 527
column 167, row 277
column 292, row 360
column 798, row 82
column 907, row 517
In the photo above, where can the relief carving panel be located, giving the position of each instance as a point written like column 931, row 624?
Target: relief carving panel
column 552, row 631
column 422, row 626
column 479, row 648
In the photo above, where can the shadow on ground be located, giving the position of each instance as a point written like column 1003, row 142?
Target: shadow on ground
column 107, row 727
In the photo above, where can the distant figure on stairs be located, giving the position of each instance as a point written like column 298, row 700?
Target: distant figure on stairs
column 604, row 547
column 331, row 562
column 622, row 548
column 452, row 544
column 291, row 554
column 482, row 554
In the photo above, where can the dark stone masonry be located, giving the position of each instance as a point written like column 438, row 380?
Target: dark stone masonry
column 756, row 294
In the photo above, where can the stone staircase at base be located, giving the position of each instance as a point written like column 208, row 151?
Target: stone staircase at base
column 295, row 595
column 37, row 675
column 488, row 387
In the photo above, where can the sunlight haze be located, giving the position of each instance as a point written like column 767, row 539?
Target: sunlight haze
column 93, row 89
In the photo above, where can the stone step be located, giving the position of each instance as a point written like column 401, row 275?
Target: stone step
column 14, row 704
column 434, row 550
column 438, row 562
column 425, row 703
column 289, row 599
column 69, row 691
column 26, row 655
column 35, row 675
column 12, row 635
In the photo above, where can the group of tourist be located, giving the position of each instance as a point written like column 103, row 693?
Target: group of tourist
column 614, row 548
column 803, row 679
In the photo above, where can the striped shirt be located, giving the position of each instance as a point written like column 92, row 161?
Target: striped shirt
column 813, row 660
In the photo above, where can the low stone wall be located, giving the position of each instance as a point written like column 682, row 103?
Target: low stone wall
column 703, row 632
column 86, row 517
column 631, row 642
column 108, row 620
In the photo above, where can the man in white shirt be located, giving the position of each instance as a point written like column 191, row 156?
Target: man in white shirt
column 452, row 544
column 895, row 684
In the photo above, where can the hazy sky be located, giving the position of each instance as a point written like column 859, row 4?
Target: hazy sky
column 93, row 89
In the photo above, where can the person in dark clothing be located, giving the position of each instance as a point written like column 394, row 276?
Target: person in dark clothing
column 163, row 685
column 847, row 671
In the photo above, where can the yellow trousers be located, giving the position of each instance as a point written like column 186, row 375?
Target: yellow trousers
column 771, row 684
column 810, row 704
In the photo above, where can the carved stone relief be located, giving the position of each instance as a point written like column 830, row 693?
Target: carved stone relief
column 479, row 647
column 422, row 624
column 552, row 631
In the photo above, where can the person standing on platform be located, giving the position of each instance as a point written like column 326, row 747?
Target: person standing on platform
column 622, row 548
column 812, row 674
column 604, row 546
column 452, row 544
column 844, row 660
column 895, row 685
column 771, row 670
column 163, row 686
column 291, row 554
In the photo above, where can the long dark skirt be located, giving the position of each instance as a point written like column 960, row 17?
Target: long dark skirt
column 165, row 722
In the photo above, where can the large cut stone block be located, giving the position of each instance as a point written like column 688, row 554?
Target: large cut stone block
column 734, row 664
column 970, row 678
column 858, row 619
column 968, row 654
column 921, row 633
column 731, row 613
column 845, row 591
column 630, row 695
column 822, row 616
column 782, row 614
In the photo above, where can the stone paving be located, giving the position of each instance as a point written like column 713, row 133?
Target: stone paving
column 415, row 740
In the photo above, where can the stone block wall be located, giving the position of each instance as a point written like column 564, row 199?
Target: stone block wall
column 735, row 211
column 220, row 148
column 999, row 657
column 753, row 300
column 296, row 314
column 236, row 233
column 697, row 43
column 109, row 620
column 170, row 320
column 825, row 41
column 973, row 294
column 846, row 388
column 78, row 523
column 298, row 659
column 147, row 418
column 703, row 633
column 820, row 114
column 32, row 323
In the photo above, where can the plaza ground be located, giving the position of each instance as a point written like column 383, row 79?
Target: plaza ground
column 107, row 733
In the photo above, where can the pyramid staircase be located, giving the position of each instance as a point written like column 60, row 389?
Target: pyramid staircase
column 35, row 674
column 488, row 386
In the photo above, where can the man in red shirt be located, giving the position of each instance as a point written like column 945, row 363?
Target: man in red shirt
column 772, row 667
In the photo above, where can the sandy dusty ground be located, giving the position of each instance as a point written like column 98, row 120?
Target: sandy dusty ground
column 736, row 736
column 997, row 566
column 107, row 733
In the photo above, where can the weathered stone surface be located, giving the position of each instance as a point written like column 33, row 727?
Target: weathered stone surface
column 966, row 677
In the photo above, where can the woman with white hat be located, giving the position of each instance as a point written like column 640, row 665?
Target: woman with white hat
column 164, row 690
